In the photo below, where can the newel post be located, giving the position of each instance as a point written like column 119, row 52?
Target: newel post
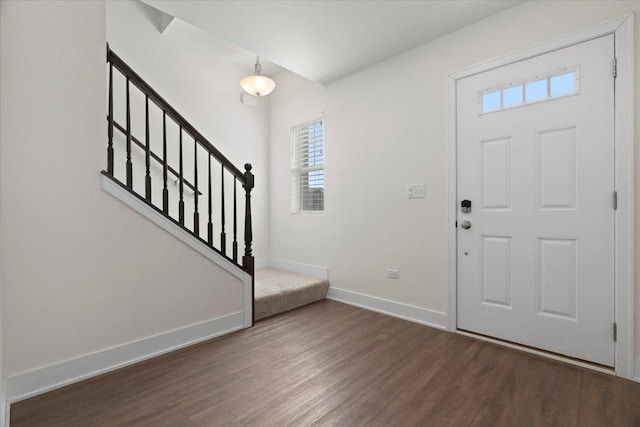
column 247, row 259
column 248, row 234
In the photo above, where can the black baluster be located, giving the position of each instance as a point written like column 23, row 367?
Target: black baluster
column 235, row 222
column 223, row 235
column 147, row 178
column 210, row 224
column 248, row 186
column 129, row 164
column 110, row 142
column 196, row 216
column 181, row 202
column 165, row 190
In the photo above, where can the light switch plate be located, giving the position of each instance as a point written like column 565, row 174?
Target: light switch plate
column 416, row 191
column 393, row 273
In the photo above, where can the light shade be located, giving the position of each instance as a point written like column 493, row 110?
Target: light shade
column 258, row 85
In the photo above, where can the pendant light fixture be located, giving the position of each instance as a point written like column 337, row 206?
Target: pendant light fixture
column 258, row 85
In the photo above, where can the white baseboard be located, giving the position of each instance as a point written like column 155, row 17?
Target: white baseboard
column 295, row 267
column 262, row 263
column 4, row 406
column 411, row 313
column 636, row 371
column 29, row 384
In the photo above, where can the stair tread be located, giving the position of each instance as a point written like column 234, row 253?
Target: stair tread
column 277, row 291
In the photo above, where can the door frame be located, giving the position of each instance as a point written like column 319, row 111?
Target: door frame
column 622, row 28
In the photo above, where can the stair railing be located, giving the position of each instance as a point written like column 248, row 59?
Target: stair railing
column 246, row 178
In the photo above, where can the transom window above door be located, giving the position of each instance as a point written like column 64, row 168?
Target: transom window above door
column 528, row 91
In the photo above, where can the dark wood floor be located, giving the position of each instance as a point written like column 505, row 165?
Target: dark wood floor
column 331, row 364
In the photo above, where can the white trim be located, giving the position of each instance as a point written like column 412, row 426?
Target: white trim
column 589, row 33
column 423, row 316
column 29, row 384
column 622, row 27
column 296, row 267
column 452, row 202
column 247, row 297
column 262, row 263
column 637, row 370
column 538, row 352
column 624, row 181
column 4, row 406
column 160, row 220
column 308, row 119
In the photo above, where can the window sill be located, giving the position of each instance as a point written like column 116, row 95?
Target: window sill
column 308, row 213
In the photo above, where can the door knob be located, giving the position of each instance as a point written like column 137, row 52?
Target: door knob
column 465, row 224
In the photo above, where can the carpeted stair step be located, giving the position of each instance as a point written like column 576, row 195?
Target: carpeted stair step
column 277, row 291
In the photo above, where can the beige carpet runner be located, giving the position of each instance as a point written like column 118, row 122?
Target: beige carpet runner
column 277, row 291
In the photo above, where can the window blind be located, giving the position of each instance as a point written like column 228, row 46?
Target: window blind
column 307, row 167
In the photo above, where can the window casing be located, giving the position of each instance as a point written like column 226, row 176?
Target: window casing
column 307, row 167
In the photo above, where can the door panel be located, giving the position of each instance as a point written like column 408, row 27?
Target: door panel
column 496, row 270
column 556, row 284
column 536, row 266
column 496, row 174
column 556, row 169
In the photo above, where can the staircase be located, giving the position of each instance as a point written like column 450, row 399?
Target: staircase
column 158, row 157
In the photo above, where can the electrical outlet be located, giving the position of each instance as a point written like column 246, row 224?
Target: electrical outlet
column 416, row 191
column 393, row 273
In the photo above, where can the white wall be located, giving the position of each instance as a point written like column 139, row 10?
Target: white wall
column 199, row 76
column 81, row 271
column 386, row 128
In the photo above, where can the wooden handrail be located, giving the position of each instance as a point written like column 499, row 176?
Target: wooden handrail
column 139, row 82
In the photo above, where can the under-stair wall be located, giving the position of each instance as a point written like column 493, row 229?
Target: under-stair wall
column 88, row 284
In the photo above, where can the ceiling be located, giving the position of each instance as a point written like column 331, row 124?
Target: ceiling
column 326, row 40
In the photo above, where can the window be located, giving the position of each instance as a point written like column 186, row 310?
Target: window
column 307, row 167
column 539, row 88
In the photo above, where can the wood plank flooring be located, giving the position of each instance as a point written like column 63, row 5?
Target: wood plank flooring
column 330, row 364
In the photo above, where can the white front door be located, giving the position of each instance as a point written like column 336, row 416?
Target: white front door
column 535, row 158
